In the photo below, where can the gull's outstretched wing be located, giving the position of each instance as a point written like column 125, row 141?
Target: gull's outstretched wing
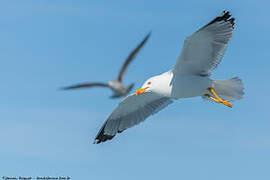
column 131, row 111
column 85, row 85
column 204, row 49
column 131, row 56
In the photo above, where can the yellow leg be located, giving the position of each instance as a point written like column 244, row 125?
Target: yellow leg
column 217, row 98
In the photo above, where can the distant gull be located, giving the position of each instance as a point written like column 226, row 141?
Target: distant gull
column 190, row 77
column 116, row 85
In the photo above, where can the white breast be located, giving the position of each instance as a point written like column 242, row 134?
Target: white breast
column 177, row 86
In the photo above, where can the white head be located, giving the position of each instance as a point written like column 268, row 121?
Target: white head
column 159, row 84
column 148, row 85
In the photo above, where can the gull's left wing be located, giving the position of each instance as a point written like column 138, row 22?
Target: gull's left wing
column 131, row 111
column 131, row 56
column 204, row 49
column 85, row 85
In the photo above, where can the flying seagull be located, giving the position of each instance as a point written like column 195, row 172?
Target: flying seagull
column 190, row 77
column 118, row 88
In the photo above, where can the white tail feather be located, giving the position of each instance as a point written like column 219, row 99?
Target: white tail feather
column 230, row 89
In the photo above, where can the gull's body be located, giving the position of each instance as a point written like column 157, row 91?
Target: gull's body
column 180, row 86
column 190, row 77
column 118, row 88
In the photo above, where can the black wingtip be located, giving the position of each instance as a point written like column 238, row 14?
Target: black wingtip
column 149, row 34
column 224, row 16
column 147, row 37
column 101, row 137
column 130, row 87
column 232, row 21
column 64, row 88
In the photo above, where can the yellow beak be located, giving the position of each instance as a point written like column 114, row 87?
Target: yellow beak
column 141, row 90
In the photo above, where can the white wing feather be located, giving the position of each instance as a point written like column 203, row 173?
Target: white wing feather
column 131, row 111
column 204, row 49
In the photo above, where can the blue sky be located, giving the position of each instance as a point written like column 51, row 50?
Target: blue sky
column 46, row 132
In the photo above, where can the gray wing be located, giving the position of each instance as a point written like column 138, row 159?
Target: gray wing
column 85, row 85
column 131, row 111
column 131, row 56
column 204, row 49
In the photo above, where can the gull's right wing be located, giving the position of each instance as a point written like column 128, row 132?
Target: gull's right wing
column 131, row 56
column 204, row 49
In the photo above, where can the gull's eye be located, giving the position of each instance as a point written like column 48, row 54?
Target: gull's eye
column 149, row 83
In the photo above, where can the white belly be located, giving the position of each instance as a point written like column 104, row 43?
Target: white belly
column 189, row 86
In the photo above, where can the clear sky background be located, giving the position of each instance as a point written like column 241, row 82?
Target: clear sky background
column 47, row 44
